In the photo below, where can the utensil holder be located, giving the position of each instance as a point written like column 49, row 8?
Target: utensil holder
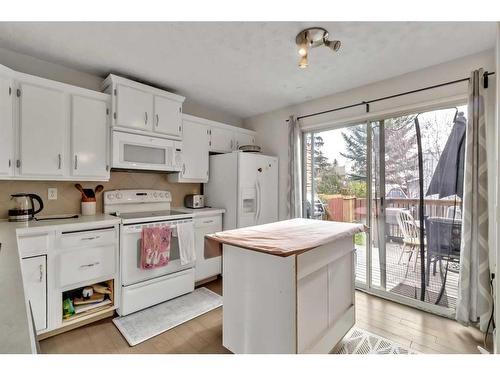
column 88, row 208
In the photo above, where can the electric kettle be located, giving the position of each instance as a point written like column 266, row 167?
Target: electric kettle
column 23, row 207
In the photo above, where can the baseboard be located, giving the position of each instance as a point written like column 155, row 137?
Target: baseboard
column 94, row 318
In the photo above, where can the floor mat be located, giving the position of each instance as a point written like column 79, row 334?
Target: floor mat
column 359, row 341
column 145, row 324
column 413, row 292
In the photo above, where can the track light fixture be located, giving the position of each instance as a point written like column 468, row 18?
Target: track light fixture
column 310, row 38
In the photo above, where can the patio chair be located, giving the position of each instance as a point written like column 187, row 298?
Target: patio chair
column 411, row 238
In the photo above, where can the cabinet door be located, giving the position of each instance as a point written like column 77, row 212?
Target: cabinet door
column 89, row 137
column 6, row 127
column 35, row 287
column 43, row 131
column 205, row 268
column 243, row 139
column 221, row 140
column 134, row 108
column 195, row 151
column 168, row 116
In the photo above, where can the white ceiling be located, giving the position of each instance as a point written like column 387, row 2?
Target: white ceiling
column 247, row 68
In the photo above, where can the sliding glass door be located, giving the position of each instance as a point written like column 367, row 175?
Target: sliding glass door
column 416, row 216
column 402, row 177
column 336, row 185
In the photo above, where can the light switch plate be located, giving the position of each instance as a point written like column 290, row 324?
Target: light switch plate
column 52, row 194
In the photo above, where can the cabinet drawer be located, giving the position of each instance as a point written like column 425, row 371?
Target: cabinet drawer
column 208, row 221
column 86, row 264
column 33, row 245
column 87, row 238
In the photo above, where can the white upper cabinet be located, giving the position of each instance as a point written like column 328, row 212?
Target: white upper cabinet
column 243, row 139
column 6, row 126
column 143, row 109
column 200, row 138
column 134, row 108
column 195, row 153
column 42, row 131
column 51, row 130
column 168, row 116
column 221, row 139
column 89, row 118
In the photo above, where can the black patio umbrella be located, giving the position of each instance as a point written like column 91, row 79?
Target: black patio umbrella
column 448, row 178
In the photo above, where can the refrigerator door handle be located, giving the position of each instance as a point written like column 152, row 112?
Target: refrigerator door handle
column 259, row 200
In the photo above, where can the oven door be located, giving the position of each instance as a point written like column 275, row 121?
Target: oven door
column 135, row 151
column 130, row 254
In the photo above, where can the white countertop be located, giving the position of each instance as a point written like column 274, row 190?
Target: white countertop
column 201, row 212
column 15, row 327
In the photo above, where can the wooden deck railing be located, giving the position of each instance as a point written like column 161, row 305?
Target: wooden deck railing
column 352, row 209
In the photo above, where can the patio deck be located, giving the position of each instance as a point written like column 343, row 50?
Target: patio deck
column 408, row 285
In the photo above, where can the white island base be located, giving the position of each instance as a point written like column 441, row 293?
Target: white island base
column 288, row 304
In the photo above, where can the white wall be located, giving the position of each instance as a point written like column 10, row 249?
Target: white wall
column 32, row 65
column 272, row 128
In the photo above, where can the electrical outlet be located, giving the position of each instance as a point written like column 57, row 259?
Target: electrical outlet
column 52, row 194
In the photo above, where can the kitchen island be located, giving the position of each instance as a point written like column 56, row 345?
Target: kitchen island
column 288, row 287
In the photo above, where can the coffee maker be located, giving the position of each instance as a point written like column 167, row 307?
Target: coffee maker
column 23, row 207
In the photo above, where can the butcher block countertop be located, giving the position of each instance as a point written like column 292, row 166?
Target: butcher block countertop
column 283, row 238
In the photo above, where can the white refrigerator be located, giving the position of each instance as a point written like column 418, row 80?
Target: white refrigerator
column 246, row 186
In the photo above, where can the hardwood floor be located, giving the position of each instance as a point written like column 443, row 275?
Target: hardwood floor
column 424, row 332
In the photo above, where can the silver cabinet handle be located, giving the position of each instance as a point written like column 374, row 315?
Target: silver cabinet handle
column 183, row 168
column 41, row 273
column 145, row 118
column 76, row 161
column 18, row 163
column 157, row 119
column 232, row 142
column 59, row 161
column 89, row 265
column 90, row 238
column 208, row 221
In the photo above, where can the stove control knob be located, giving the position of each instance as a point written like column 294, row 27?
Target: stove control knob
column 119, row 195
column 162, row 195
column 110, row 196
column 155, row 194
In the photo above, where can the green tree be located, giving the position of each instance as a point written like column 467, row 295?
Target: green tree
column 329, row 183
column 400, row 150
column 355, row 148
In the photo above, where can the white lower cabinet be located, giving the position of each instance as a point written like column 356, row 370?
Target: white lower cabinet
column 206, row 268
column 60, row 261
column 34, row 272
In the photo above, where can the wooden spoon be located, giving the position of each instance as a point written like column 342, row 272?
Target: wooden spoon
column 80, row 188
column 98, row 189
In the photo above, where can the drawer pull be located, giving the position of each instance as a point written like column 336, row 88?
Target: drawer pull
column 90, row 238
column 208, row 221
column 89, row 265
column 41, row 273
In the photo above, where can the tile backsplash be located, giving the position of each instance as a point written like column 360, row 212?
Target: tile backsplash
column 68, row 197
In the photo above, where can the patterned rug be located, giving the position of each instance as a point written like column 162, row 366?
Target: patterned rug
column 359, row 341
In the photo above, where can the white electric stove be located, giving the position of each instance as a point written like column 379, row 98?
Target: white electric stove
column 142, row 288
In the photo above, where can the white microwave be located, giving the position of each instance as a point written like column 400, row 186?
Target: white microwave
column 135, row 151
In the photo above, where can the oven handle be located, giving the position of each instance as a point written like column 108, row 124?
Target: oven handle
column 136, row 228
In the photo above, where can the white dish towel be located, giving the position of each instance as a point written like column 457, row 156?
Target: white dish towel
column 185, row 233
